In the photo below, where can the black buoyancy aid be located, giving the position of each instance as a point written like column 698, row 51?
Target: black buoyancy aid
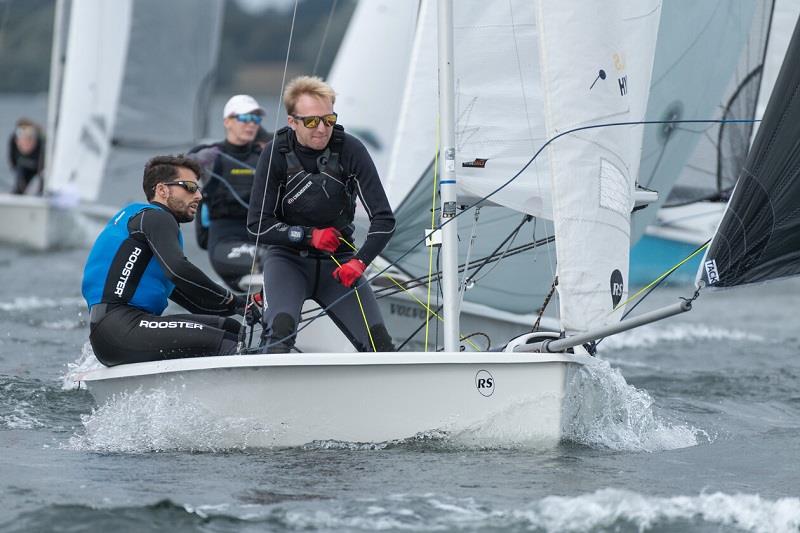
column 322, row 199
column 238, row 173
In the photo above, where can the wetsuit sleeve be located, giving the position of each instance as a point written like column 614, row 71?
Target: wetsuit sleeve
column 357, row 161
column 267, row 183
column 160, row 231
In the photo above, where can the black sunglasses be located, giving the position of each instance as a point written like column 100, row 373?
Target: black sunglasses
column 313, row 121
column 190, row 186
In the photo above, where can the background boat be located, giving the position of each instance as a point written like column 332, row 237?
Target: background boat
column 131, row 77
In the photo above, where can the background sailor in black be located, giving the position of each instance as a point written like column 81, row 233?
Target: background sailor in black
column 121, row 331
column 230, row 166
column 26, row 155
column 305, row 214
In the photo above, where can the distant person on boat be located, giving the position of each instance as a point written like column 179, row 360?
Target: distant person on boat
column 137, row 263
column 26, row 156
column 311, row 174
column 230, row 165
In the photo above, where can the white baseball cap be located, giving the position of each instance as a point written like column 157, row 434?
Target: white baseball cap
column 241, row 104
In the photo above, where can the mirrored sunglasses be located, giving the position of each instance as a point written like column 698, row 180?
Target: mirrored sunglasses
column 190, row 186
column 249, row 117
column 313, row 121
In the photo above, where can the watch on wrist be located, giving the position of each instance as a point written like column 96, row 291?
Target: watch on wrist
column 296, row 234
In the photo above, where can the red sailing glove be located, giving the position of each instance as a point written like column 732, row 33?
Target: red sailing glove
column 325, row 239
column 253, row 307
column 348, row 273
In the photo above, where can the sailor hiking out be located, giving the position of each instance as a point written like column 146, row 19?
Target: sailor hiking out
column 137, row 264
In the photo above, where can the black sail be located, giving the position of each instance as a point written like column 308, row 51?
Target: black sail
column 758, row 238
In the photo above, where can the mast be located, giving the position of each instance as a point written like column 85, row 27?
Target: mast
column 54, row 93
column 447, row 183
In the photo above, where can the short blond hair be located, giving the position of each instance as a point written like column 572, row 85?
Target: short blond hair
column 311, row 85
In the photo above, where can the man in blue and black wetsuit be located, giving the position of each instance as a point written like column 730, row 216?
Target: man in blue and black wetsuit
column 137, row 263
column 230, row 166
column 308, row 179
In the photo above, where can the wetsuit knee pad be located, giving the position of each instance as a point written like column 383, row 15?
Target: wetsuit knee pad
column 381, row 338
column 281, row 336
column 283, row 326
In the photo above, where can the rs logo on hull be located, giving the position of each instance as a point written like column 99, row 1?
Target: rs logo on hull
column 484, row 382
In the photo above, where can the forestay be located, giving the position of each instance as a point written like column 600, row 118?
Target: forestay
column 596, row 62
column 758, row 238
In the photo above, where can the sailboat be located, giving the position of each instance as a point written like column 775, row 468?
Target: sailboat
column 124, row 75
column 586, row 188
column 758, row 238
column 688, row 215
column 505, row 246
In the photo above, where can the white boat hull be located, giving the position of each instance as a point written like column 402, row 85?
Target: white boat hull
column 40, row 223
column 295, row 399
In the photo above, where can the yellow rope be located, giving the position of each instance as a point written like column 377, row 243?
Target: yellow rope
column 662, row 276
column 363, row 314
column 420, row 302
column 433, row 230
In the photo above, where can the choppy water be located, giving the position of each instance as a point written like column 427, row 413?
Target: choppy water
column 691, row 425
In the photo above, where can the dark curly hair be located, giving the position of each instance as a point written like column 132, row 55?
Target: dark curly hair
column 163, row 168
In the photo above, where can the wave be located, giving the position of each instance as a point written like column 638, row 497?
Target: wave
column 32, row 303
column 603, row 510
column 654, row 335
column 86, row 361
column 33, row 404
column 602, row 410
column 156, row 420
column 611, row 508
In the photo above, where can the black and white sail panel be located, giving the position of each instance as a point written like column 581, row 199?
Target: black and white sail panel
column 759, row 236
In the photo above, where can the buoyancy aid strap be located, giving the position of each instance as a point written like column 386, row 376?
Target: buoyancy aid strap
column 281, row 139
column 336, row 144
column 283, row 143
column 293, row 165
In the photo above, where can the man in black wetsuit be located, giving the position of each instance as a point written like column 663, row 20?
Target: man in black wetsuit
column 26, row 155
column 307, row 180
column 137, row 263
column 230, row 166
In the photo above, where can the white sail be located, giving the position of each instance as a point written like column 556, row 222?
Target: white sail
column 377, row 47
column 95, row 59
column 414, row 144
column 596, row 62
column 499, row 105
